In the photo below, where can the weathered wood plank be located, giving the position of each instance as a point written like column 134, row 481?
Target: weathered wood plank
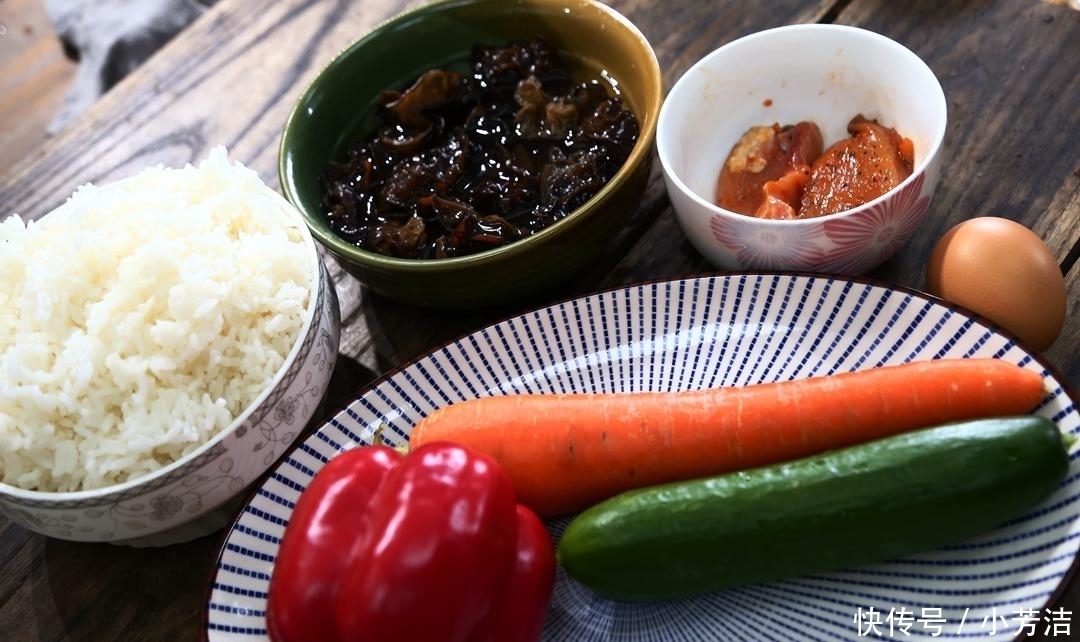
column 230, row 79
column 34, row 77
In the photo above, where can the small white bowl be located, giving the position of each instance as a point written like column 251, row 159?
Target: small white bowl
column 826, row 74
column 197, row 494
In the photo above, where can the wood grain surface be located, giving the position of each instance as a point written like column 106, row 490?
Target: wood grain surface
column 34, row 77
column 1010, row 73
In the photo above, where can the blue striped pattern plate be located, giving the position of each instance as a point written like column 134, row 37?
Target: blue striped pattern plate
column 710, row 331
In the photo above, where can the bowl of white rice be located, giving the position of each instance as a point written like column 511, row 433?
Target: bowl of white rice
column 164, row 339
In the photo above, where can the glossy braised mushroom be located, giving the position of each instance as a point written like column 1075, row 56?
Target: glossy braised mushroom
column 462, row 164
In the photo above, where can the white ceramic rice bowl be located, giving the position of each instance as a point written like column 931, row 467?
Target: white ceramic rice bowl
column 193, row 496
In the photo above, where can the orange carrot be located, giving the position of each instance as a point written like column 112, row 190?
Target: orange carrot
column 565, row 452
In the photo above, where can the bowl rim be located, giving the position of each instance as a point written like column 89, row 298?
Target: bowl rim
column 927, row 162
column 42, row 498
column 639, row 154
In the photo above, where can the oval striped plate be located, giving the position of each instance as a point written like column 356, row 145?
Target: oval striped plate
column 691, row 333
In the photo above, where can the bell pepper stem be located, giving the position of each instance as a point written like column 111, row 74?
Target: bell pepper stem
column 377, row 438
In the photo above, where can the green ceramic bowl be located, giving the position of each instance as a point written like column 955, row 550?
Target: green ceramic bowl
column 338, row 107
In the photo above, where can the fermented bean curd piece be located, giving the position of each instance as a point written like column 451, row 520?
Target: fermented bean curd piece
column 782, row 196
column 776, row 172
column 765, row 155
column 857, row 170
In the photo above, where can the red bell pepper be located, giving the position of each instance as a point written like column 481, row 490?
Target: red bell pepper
column 519, row 614
column 325, row 522
column 435, row 548
column 442, row 541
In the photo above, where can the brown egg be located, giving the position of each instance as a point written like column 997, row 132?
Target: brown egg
column 1003, row 271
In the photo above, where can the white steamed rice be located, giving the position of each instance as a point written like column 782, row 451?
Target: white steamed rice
column 140, row 318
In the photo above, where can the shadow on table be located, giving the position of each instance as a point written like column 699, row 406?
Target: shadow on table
column 159, row 597
column 349, row 378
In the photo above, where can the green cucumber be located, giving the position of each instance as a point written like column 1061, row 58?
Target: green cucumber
column 872, row 502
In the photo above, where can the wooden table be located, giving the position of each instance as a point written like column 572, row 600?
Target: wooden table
column 1010, row 73
column 35, row 75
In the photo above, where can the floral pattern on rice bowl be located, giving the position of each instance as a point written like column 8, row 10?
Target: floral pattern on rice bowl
column 869, row 237
column 776, row 247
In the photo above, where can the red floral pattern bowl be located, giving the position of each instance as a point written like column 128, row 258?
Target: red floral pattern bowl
column 823, row 73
